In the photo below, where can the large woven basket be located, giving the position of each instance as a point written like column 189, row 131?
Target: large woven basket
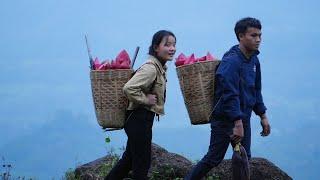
column 197, row 86
column 109, row 100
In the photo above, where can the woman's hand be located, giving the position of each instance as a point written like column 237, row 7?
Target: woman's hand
column 152, row 99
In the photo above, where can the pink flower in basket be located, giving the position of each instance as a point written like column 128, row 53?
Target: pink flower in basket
column 114, row 64
column 122, row 61
column 190, row 60
column 180, row 60
column 209, row 57
column 104, row 65
column 204, row 58
column 125, row 65
column 122, row 57
column 96, row 63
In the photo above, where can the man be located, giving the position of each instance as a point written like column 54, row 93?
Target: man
column 237, row 94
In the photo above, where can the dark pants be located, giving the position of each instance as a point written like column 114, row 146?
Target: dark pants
column 137, row 156
column 219, row 142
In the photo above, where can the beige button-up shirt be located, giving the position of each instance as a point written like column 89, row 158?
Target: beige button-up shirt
column 150, row 78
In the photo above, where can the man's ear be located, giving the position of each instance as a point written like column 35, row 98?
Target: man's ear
column 241, row 35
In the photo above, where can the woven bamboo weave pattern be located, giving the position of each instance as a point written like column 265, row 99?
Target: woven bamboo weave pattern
column 109, row 100
column 197, row 86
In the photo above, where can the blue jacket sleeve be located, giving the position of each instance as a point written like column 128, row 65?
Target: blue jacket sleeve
column 259, row 108
column 228, row 75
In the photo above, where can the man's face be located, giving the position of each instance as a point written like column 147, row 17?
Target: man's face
column 251, row 39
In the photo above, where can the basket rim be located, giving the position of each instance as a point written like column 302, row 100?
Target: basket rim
column 111, row 70
column 186, row 65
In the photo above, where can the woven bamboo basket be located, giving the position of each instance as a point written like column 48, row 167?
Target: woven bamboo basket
column 197, row 86
column 109, row 100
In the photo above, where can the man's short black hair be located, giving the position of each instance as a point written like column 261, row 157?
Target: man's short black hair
column 243, row 24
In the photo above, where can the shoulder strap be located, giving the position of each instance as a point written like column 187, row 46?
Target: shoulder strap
column 154, row 82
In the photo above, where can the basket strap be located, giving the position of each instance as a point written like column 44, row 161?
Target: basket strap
column 214, row 108
column 154, row 82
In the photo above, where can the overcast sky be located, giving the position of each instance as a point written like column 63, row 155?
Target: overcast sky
column 44, row 63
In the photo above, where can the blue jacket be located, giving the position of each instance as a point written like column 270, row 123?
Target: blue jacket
column 238, row 83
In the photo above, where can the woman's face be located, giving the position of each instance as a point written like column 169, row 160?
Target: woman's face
column 167, row 48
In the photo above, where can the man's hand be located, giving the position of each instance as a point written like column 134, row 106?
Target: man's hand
column 152, row 99
column 237, row 135
column 266, row 129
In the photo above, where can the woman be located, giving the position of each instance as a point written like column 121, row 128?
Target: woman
column 146, row 93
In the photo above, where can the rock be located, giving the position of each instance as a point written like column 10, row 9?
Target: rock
column 260, row 169
column 166, row 166
column 96, row 169
column 171, row 164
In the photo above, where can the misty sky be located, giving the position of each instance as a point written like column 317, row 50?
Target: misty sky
column 44, row 69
